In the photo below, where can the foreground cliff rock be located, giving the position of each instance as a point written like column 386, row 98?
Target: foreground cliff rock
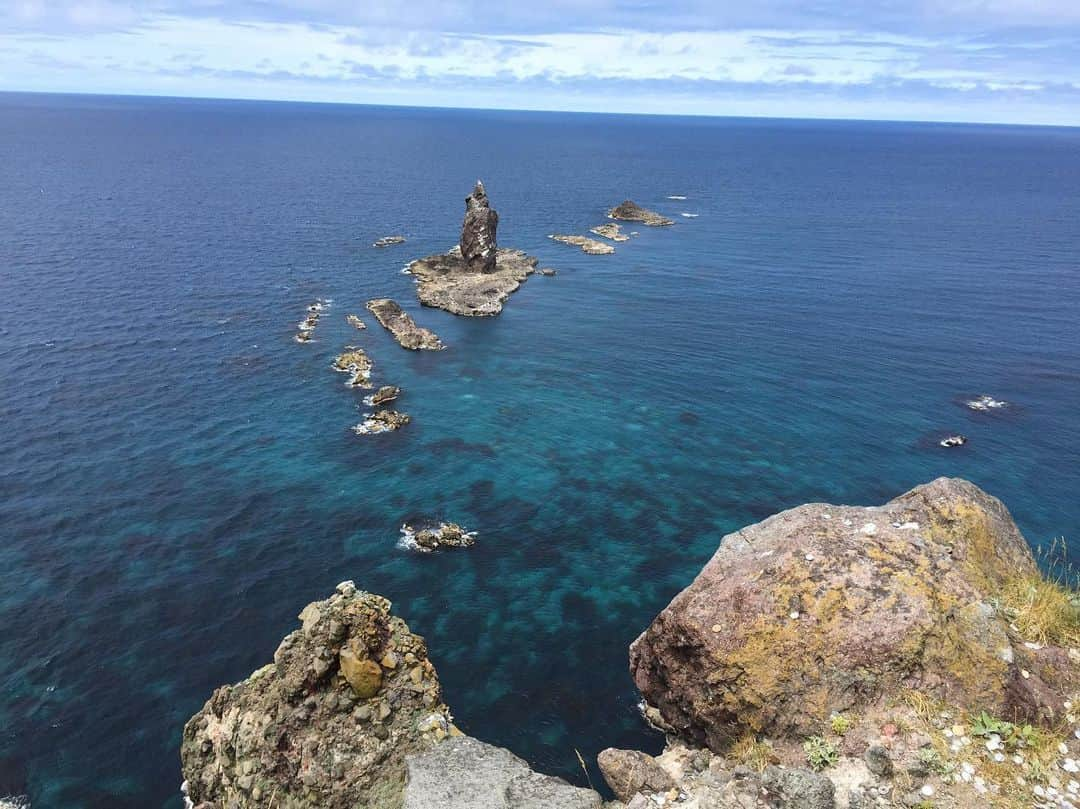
column 825, row 610
column 464, row 773
column 350, row 714
column 476, row 277
column 328, row 723
column 906, row 656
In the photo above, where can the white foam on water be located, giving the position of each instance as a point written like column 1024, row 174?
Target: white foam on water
column 15, row 802
column 985, row 403
column 370, row 427
column 408, row 539
column 676, row 196
column 689, row 215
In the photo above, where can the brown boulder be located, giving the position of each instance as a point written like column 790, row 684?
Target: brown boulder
column 360, row 671
column 825, row 609
column 629, row 772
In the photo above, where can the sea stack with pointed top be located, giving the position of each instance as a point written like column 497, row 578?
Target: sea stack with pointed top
column 476, row 277
column 478, row 242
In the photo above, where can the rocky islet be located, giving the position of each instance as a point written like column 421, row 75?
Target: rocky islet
column 475, row 277
column 610, row 230
column 384, row 395
column 355, row 362
column 388, row 241
column 401, row 325
column 381, row 421
column 427, row 538
column 593, row 247
column 630, row 211
column 306, row 327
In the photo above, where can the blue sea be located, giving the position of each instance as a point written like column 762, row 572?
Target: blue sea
column 178, row 477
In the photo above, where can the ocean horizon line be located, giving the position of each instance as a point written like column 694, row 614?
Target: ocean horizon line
column 839, row 119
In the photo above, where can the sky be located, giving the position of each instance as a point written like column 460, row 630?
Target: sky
column 1008, row 61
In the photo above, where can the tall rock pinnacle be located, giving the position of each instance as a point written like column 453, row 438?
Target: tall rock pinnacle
column 478, row 242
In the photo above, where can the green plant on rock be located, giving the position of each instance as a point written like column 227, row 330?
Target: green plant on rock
column 1013, row 737
column 986, row 725
column 820, row 753
column 933, row 761
column 1037, row 771
column 1025, row 736
column 840, row 724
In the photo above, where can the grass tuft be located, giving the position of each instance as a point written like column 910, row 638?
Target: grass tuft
column 1044, row 611
column 753, row 753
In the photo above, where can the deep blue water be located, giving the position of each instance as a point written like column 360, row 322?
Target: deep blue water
column 177, row 477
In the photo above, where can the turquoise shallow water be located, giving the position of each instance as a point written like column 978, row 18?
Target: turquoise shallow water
column 179, row 479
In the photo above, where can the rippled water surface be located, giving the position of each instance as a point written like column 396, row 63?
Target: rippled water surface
column 178, row 478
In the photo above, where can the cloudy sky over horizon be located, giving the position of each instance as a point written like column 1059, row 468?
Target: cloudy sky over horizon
column 1012, row 61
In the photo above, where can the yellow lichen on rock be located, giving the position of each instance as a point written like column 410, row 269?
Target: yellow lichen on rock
column 826, row 609
column 362, row 673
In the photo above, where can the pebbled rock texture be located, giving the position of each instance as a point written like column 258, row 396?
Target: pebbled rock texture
column 328, row 724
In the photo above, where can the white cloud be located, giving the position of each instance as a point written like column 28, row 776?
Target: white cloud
column 118, row 52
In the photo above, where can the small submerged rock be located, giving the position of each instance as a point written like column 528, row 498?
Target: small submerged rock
column 587, row 245
column 548, row 271
column 441, row 535
column 385, row 394
column 387, row 241
column 985, row 404
column 382, row 421
column 630, row 211
column 398, row 322
column 358, row 364
column 355, row 322
column 953, row 441
column 611, row 230
column 306, row 326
